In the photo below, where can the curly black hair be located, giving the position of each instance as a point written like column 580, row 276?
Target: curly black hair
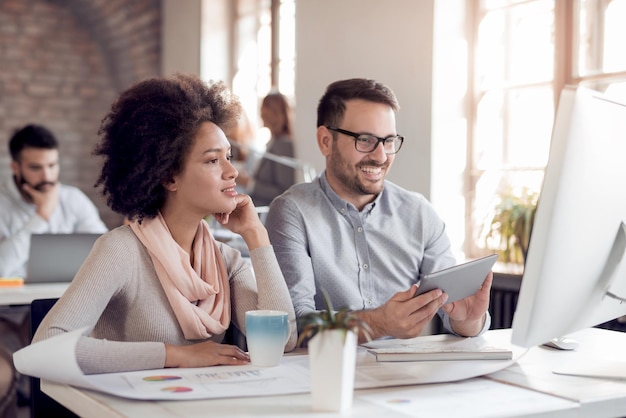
column 148, row 133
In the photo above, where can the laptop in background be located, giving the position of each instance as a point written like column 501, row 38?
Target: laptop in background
column 57, row 257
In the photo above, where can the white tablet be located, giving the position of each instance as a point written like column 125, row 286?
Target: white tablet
column 458, row 281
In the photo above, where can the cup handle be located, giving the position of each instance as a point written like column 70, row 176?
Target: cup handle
column 287, row 331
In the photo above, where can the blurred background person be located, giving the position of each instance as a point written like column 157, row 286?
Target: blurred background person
column 33, row 201
column 275, row 174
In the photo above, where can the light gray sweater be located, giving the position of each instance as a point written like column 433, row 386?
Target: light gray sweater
column 118, row 294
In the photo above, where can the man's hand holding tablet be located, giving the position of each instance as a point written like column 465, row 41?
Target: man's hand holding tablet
column 458, row 281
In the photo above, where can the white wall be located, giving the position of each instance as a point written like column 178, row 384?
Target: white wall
column 196, row 38
column 389, row 41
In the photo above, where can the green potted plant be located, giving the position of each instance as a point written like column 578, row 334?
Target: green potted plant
column 332, row 341
column 511, row 226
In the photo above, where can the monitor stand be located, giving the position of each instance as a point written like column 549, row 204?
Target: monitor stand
column 562, row 343
column 613, row 280
column 612, row 276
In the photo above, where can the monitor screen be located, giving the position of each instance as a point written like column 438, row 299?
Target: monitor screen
column 575, row 272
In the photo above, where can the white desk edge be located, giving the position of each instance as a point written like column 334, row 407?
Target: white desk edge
column 590, row 397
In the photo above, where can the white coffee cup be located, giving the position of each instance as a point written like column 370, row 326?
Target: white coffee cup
column 267, row 332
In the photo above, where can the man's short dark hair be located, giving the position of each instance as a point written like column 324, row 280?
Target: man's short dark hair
column 31, row 136
column 332, row 105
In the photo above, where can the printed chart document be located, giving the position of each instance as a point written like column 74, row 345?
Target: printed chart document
column 290, row 377
column 471, row 398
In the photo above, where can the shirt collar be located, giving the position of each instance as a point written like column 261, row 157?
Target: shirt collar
column 13, row 190
column 341, row 205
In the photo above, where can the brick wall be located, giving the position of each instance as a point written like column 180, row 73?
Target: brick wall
column 62, row 63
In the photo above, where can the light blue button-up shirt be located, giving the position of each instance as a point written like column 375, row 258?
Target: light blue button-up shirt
column 18, row 220
column 360, row 258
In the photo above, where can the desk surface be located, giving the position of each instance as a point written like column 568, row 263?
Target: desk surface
column 25, row 294
column 528, row 388
column 445, row 400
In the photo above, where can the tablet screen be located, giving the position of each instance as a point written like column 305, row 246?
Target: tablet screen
column 458, row 281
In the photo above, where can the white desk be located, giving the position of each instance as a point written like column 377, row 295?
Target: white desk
column 96, row 405
column 597, row 397
column 528, row 388
column 25, row 294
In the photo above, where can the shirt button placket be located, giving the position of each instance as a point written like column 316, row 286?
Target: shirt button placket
column 361, row 244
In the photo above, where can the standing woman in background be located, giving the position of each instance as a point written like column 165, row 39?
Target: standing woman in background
column 274, row 177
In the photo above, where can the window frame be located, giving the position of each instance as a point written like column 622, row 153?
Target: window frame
column 566, row 47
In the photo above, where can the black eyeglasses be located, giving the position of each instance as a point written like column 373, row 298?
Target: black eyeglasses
column 368, row 142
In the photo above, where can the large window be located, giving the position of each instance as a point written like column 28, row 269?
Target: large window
column 524, row 53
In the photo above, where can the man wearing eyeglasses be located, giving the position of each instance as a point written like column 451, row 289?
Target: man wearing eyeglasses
column 360, row 238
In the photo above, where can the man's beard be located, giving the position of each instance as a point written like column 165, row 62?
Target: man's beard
column 39, row 186
column 342, row 170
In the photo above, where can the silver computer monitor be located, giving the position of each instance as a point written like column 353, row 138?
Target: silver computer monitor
column 575, row 272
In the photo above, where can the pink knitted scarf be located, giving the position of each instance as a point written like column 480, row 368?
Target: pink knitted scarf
column 198, row 294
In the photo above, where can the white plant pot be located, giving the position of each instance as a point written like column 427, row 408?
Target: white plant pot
column 332, row 361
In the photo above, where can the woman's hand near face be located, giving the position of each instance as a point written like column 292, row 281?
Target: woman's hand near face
column 208, row 353
column 244, row 220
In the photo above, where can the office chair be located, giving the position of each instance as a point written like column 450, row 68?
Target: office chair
column 8, row 385
column 41, row 405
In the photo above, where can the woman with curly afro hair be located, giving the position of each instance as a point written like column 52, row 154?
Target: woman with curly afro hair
column 161, row 291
